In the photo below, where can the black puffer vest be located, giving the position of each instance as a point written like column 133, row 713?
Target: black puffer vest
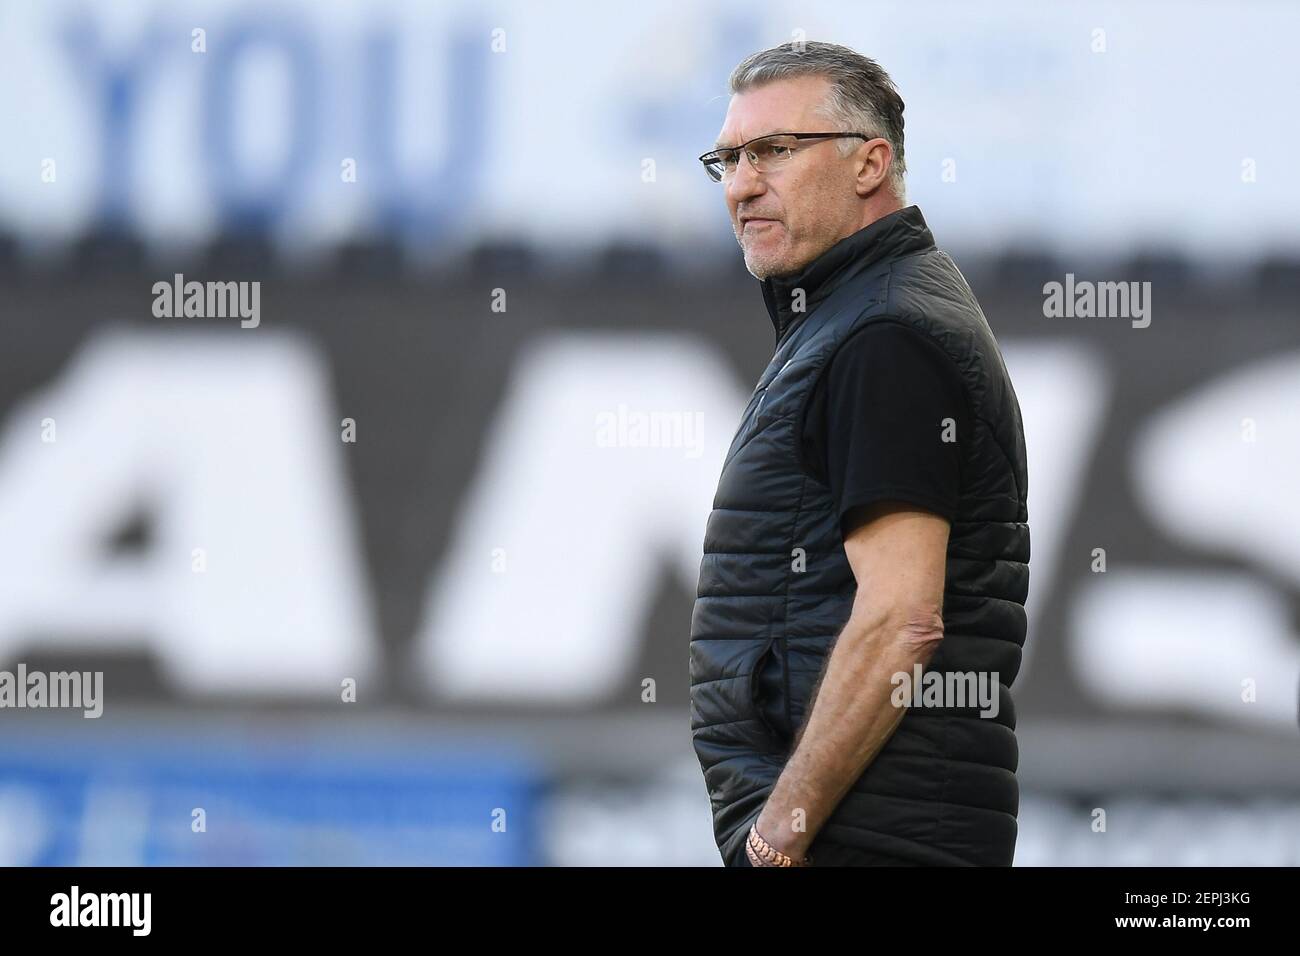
column 776, row 588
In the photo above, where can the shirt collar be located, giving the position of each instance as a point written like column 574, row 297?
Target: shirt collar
column 901, row 232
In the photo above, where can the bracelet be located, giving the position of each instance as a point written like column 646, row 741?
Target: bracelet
column 762, row 853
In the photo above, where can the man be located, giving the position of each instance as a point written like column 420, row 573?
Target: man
column 870, row 524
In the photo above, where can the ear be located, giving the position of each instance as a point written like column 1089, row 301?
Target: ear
column 874, row 158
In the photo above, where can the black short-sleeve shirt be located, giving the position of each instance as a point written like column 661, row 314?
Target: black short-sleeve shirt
column 888, row 420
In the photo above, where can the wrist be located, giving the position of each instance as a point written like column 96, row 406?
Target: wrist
column 777, row 828
column 762, row 852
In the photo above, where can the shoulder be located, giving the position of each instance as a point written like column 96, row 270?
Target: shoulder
column 885, row 344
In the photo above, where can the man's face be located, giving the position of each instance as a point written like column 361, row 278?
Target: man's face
column 786, row 218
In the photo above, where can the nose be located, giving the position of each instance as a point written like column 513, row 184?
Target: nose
column 745, row 183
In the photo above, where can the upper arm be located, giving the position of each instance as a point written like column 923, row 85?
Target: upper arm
column 898, row 554
column 894, row 424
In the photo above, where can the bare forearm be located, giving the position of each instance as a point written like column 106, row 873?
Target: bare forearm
column 852, row 718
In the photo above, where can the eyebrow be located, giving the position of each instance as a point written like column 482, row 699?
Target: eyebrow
column 720, row 145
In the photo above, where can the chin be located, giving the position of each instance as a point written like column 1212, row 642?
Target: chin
column 764, row 266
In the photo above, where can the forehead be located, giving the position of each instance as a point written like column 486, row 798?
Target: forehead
column 780, row 106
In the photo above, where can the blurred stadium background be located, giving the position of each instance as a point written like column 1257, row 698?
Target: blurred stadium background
column 480, row 231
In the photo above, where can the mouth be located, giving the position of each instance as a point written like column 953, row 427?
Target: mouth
column 756, row 221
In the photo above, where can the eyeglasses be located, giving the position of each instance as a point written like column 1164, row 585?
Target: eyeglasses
column 766, row 153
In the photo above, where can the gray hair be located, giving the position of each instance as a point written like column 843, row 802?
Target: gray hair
column 863, row 99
